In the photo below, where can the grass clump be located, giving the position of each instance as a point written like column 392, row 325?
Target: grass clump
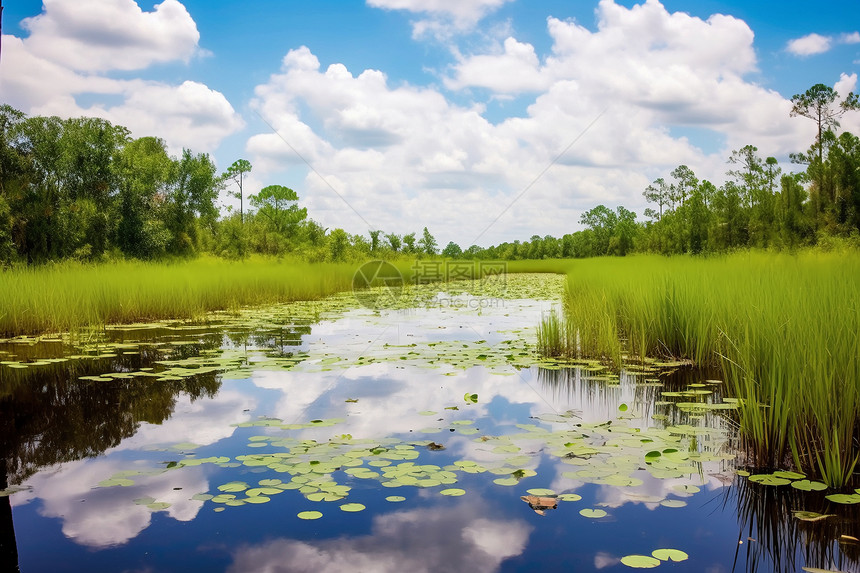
column 785, row 329
column 68, row 296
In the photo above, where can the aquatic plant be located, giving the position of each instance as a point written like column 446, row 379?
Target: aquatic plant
column 785, row 330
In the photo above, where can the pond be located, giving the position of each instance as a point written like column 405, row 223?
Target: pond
column 428, row 436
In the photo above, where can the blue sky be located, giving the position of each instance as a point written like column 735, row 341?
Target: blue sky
column 466, row 101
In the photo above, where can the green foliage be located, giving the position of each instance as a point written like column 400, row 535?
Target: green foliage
column 427, row 244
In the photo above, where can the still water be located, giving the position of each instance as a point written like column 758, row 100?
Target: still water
column 430, row 437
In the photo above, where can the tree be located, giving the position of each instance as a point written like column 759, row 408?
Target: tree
column 191, row 197
column 236, row 173
column 601, row 221
column 374, row 240
column 409, row 244
column 278, row 207
column 818, row 103
column 686, row 182
column 338, row 244
column 657, row 192
column 427, row 243
column 394, row 242
column 452, row 251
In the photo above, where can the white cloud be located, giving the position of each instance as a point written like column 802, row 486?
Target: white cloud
column 852, row 38
column 74, row 43
column 400, row 541
column 810, row 45
column 404, row 156
column 110, row 517
column 444, row 17
column 813, row 44
column 101, row 35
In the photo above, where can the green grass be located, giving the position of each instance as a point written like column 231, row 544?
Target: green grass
column 785, row 329
column 69, row 296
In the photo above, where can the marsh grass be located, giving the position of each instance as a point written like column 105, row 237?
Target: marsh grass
column 785, row 329
column 69, row 296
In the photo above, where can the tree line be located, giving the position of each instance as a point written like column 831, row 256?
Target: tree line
column 84, row 189
column 758, row 206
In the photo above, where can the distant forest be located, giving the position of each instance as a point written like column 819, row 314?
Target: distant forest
column 84, row 189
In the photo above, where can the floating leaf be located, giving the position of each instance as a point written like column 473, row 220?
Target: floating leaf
column 541, row 492
column 806, row 485
column 811, row 516
column 310, row 515
column 471, row 398
column 593, row 513
column 352, row 507
column 675, row 555
column 395, row 498
column 789, row 475
column 569, row 497
column 769, row 479
column 622, row 408
column 844, row 498
column 453, row 492
column 640, row 561
column 233, row 487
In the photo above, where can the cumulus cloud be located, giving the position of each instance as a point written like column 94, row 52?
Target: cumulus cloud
column 109, row 517
column 101, row 35
column 423, row 540
column 813, row 44
column 76, row 45
column 442, row 17
column 401, row 154
column 810, row 45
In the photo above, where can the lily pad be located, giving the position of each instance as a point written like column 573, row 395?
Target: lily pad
column 593, row 513
column 844, row 498
column 541, row 492
column 310, row 515
column 806, row 485
column 352, row 507
column 769, row 479
column 675, row 555
column 395, row 498
column 811, row 516
column 640, row 561
column 453, row 492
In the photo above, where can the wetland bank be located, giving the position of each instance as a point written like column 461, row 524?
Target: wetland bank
column 431, row 434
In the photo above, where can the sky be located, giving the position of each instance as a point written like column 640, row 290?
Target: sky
column 483, row 120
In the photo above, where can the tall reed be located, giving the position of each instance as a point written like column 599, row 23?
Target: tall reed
column 70, row 295
column 785, row 329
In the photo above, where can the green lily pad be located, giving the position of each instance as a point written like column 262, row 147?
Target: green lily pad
column 768, row 479
column 811, row 515
column 806, row 485
column 789, row 475
column 541, row 492
column 506, row 481
column 593, row 513
column 640, row 561
column 233, row 487
column 352, row 507
column 453, row 492
column 395, row 498
column 844, row 498
column 675, row 555
column 309, row 515
column 569, row 497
